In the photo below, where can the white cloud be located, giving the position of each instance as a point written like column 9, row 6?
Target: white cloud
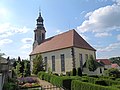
column 27, row 40
column 6, row 34
column 26, row 46
column 7, row 29
column 104, row 34
column 118, row 37
column 103, row 19
column 4, row 13
column 5, row 41
column 111, row 47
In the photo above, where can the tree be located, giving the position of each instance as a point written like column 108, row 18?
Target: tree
column 115, row 60
column 91, row 64
column 26, row 68
column 19, row 59
column 38, row 64
column 74, row 72
column 18, row 69
column 112, row 72
column 79, row 72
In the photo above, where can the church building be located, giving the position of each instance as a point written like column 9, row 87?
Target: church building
column 61, row 53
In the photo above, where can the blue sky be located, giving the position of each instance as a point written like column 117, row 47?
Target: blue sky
column 97, row 21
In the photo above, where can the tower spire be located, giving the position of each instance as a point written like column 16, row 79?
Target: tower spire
column 39, row 11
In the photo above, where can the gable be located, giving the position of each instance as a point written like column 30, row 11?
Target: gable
column 61, row 41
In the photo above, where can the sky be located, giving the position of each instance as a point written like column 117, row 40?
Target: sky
column 97, row 21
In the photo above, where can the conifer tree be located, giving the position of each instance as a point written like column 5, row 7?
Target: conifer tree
column 38, row 64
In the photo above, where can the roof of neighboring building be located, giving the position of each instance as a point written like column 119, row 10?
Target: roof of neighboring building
column 68, row 39
column 115, row 65
column 104, row 61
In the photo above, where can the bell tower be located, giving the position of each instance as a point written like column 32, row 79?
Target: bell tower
column 39, row 32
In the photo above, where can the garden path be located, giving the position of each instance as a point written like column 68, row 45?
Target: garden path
column 48, row 86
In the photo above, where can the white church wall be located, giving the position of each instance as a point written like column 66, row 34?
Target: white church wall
column 79, row 51
column 57, row 53
column 68, row 59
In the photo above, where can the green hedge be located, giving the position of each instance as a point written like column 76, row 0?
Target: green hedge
column 41, row 75
column 111, row 82
column 65, row 81
column 78, row 85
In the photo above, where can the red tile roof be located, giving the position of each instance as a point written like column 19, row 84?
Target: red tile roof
column 114, row 65
column 68, row 39
column 104, row 61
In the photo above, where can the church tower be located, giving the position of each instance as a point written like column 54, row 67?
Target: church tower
column 39, row 32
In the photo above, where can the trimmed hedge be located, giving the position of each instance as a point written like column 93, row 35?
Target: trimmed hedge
column 91, row 83
column 78, row 85
column 64, row 82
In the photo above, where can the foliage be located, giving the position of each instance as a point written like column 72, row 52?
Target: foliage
column 84, row 82
column 112, row 72
column 11, row 84
column 115, row 60
column 26, row 68
column 22, row 68
column 79, row 72
column 61, row 81
column 74, row 72
column 101, row 82
column 78, row 85
column 19, row 59
column 91, row 63
column 18, row 69
column 38, row 64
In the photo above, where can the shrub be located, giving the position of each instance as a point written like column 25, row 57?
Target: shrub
column 64, row 81
column 101, row 82
column 112, row 72
column 46, row 77
column 111, row 82
column 95, row 76
column 68, row 73
column 78, row 85
column 10, row 86
column 55, row 74
column 92, row 80
column 41, row 75
column 79, row 72
column 74, row 72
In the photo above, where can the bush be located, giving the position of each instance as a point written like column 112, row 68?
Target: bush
column 78, row 85
column 92, row 80
column 101, row 82
column 79, row 72
column 95, row 76
column 47, row 77
column 41, row 75
column 68, row 73
column 111, row 82
column 74, row 72
column 64, row 81
column 10, row 86
column 112, row 72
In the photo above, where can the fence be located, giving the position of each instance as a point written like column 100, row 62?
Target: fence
column 51, row 87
